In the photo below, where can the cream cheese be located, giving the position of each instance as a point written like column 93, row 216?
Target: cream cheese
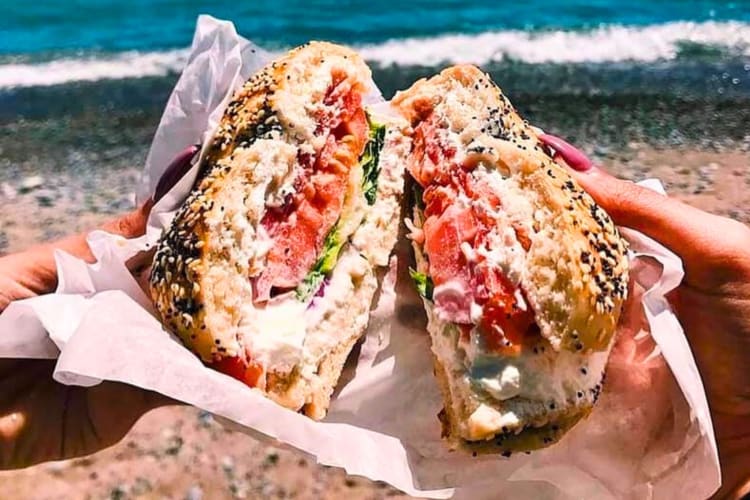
column 300, row 97
column 505, row 385
column 540, row 374
column 274, row 334
column 485, row 421
column 326, row 326
column 503, row 250
column 285, row 333
column 486, row 379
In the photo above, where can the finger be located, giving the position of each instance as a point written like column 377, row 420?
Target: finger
column 572, row 155
column 655, row 215
column 132, row 224
column 175, row 171
column 143, row 278
column 139, row 262
column 702, row 240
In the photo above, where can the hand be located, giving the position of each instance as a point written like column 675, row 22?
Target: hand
column 40, row 419
column 43, row 420
column 33, row 272
column 712, row 303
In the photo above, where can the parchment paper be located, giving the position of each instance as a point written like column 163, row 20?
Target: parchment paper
column 650, row 435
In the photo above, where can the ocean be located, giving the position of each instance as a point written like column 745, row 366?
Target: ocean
column 84, row 82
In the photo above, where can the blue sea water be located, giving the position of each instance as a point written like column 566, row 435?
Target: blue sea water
column 45, row 26
column 47, row 42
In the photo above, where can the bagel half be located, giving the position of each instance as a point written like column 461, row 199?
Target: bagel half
column 523, row 275
column 268, row 269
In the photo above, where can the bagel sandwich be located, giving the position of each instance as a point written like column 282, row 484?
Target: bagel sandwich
column 522, row 274
column 268, row 269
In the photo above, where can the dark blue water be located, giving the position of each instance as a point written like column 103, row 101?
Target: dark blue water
column 48, row 26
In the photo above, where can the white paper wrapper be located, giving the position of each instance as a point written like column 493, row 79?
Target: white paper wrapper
column 650, row 435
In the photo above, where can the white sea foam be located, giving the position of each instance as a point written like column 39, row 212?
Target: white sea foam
column 605, row 44
column 123, row 65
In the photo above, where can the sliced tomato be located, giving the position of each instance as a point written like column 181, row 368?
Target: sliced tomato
column 522, row 236
column 293, row 253
column 355, row 125
column 299, row 231
column 437, row 199
column 504, row 332
column 443, row 237
column 429, row 154
column 244, row 371
column 505, row 322
column 449, row 223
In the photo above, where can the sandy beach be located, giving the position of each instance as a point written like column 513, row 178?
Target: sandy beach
column 181, row 452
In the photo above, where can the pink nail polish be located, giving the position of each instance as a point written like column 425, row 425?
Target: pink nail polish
column 572, row 155
column 174, row 172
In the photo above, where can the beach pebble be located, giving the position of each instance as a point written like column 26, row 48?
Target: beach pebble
column 267, row 489
column 58, row 467
column 30, row 183
column 172, row 442
column 205, row 419
column 272, row 458
column 194, row 493
column 239, row 489
column 119, row 492
column 45, row 198
column 8, row 191
column 141, row 486
column 120, row 204
column 227, row 465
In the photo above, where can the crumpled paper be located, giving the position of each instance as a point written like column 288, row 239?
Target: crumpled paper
column 650, row 435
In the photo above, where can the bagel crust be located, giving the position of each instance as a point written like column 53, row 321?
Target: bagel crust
column 553, row 244
column 217, row 246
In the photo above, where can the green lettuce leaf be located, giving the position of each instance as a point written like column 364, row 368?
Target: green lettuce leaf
column 370, row 160
column 324, row 265
column 423, row 283
column 309, row 285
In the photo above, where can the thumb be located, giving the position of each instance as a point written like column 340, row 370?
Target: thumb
column 702, row 240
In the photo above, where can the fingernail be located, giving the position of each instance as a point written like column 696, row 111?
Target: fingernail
column 174, row 172
column 572, row 155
